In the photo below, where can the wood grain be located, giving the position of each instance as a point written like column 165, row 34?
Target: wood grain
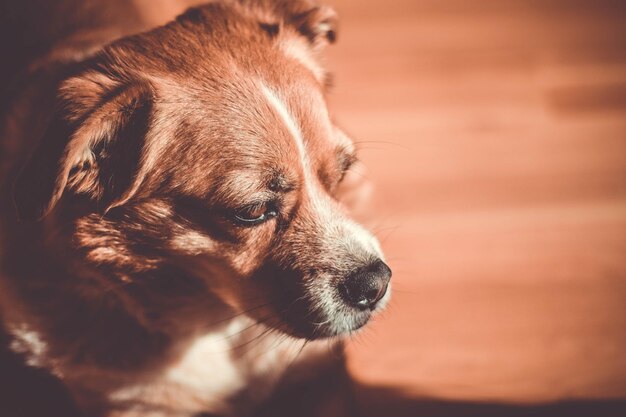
column 494, row 133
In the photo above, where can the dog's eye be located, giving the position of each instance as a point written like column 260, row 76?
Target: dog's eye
column 255, row 214
column 346, row 163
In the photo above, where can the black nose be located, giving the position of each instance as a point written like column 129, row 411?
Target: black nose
column 366, row 286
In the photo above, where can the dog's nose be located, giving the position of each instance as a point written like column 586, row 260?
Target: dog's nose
column 366, row 286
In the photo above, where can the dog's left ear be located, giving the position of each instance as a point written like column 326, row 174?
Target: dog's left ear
column 93, row 146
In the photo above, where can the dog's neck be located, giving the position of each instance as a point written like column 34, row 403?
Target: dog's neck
column 213, row 357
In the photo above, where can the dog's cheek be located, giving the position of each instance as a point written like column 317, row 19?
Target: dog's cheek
column 189, row 242
column 253, row 250
column 240, row 256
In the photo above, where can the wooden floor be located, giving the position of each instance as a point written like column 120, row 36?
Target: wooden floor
column 494, row 132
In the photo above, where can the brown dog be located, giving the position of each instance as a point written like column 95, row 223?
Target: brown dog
column 181, row 247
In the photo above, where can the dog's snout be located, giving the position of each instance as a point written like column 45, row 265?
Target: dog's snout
column 366, row 286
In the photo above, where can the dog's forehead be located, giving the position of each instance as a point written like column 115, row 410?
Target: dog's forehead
column 297, row 132
column 269, row 123
column 260, row 119
column 278, row 110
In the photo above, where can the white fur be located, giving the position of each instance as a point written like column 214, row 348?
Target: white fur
column 352, row 234
column 206, row 377
column 339, row 231
column 29, row 342
column 290, row 123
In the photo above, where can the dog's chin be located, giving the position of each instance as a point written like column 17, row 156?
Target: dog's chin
column 338, row 319
column 338, row 325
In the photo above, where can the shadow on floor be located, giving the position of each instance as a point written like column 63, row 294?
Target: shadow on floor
column 382, row 402
column 28, row 392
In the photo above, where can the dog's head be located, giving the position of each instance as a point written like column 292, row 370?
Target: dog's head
column 206, row 146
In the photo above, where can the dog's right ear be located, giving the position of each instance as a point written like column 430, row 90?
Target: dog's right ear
column 318, row 24
column 93, row 145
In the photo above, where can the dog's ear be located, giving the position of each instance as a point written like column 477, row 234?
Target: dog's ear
column 315, row 22
column 93, row 146
column 318, row 24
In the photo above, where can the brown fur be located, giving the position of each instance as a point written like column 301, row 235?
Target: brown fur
column 127, row 257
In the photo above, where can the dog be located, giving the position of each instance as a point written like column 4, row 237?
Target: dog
column 174, row 241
